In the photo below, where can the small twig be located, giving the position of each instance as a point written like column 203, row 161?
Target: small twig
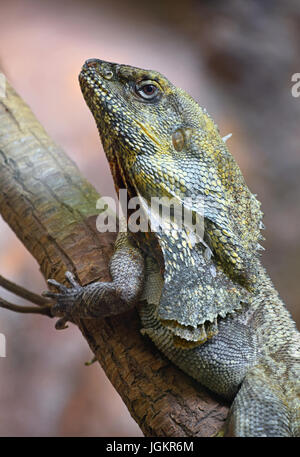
column 24, row 293
column 45, row 309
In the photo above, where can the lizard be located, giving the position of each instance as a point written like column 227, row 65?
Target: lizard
column 206, row 302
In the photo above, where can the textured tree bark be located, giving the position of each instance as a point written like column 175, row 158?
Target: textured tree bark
column 52, row 209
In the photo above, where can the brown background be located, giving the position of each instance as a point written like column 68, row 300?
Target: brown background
column 236, row 59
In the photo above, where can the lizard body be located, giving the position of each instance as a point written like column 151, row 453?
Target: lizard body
column 207, row 302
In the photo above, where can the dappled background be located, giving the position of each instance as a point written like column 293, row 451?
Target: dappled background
column 236, row 59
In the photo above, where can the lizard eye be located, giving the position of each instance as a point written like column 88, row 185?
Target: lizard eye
column 147, row 90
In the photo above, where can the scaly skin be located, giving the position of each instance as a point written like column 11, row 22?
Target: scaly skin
column 208, row 304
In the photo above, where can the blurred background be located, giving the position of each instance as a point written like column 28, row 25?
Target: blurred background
column 236, row 59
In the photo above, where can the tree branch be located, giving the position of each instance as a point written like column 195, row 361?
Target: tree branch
column 52, row 209
column 24, row 293
column 45, row 310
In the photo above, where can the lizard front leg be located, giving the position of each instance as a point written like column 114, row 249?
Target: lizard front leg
column 102, row 299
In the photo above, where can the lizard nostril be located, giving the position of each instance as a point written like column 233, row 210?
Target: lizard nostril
column 92, row 62
column 102, row 67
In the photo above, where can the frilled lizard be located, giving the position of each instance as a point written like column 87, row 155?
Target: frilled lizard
column 206, row 302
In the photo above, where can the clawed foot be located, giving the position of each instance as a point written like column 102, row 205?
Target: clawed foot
column 65, row 299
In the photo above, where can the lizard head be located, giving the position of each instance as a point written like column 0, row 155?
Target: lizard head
column 140, row 106
column 140, row 115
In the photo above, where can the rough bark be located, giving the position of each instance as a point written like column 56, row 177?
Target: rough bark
column 51, row 208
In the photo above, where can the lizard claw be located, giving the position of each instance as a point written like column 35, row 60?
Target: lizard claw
column 71, row 278
column 49, row 294
column 93, row 360
column 61, row 323
column 65, row 299
column 57, row 284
